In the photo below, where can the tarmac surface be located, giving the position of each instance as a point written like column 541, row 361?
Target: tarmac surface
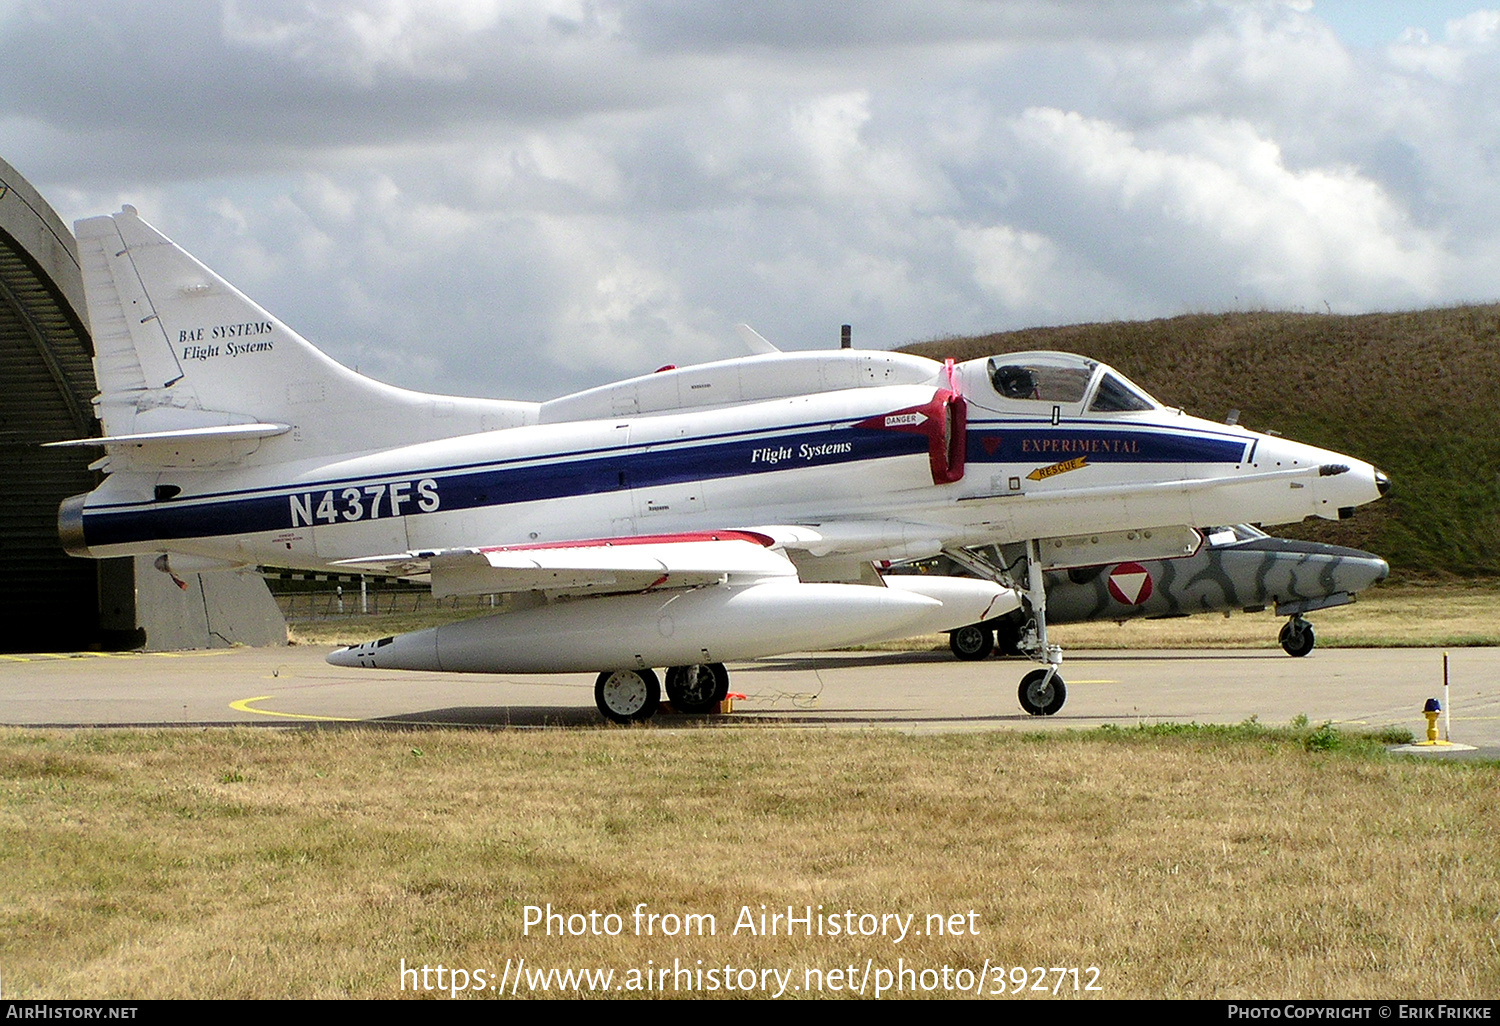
column 926, row 691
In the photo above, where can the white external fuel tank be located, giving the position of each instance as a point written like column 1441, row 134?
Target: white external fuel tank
column 701, row 625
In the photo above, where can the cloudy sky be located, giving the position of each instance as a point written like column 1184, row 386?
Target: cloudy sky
column 524, row 197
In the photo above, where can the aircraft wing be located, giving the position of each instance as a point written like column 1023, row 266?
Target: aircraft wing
column 860, row 539
column 596, row 566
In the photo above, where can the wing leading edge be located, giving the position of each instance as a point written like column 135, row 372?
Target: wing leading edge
column 599, row 566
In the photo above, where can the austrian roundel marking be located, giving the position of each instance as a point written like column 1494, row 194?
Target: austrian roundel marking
column 1130, row 584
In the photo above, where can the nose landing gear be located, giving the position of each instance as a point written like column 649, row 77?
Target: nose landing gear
column 1043, row 692
column 1297, row 637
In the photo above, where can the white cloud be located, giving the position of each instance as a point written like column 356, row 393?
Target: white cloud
column 433, row 39
column 525, row 196
column 1476, row 29
column 1014, row 267
column 1261, row 56
column 1463, row 39
column 1225, row 195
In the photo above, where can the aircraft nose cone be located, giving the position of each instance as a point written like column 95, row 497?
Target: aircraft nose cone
column 362, row 656
column 343, row 657
column 1382, row 482
column 414, row 651
column 1352, row 570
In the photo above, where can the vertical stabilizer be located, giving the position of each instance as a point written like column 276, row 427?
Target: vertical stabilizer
column 178, row 348
column 134, row 334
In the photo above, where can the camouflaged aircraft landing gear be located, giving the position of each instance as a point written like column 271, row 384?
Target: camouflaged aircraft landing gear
column 1008, row 636
column 1297, row 637
column 982, row 640
column 1042, row 692
column 972, row 643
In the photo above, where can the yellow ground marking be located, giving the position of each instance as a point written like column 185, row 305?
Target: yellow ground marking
column 243, row 705
column 32, row 657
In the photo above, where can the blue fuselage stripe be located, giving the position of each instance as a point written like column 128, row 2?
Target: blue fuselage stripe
column 1046, row 444
column 615, row 469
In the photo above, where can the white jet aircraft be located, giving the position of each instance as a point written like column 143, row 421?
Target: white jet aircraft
column 680, row 519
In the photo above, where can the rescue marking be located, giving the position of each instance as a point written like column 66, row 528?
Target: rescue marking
column 1042, row 473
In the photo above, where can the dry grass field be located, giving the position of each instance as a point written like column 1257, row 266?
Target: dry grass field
column 1392, row 616
column 1181, row 862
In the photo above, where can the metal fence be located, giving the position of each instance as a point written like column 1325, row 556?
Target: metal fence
column 327, row 597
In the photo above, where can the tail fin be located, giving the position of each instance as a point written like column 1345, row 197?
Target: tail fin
column 178, row 349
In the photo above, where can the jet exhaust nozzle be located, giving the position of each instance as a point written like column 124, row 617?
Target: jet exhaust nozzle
column 70, row 526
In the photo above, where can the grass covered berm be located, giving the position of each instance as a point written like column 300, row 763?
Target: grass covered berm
column 1417, row 394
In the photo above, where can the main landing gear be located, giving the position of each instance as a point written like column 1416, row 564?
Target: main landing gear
column 1297, row 637
column 972, row 643
column 1042, row 692
column 627, row 696
column 697, row 689
column 633, row 696
column 979, row 641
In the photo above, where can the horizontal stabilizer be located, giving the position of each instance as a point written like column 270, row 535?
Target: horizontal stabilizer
column 228, row 432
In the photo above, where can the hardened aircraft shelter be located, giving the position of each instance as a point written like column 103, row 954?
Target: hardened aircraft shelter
column 49, row 600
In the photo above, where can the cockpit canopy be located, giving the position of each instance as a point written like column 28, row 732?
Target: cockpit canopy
column 1065, row 379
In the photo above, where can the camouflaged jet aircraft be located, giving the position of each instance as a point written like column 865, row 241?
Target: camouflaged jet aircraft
column 681, row 519
column 1236, row 568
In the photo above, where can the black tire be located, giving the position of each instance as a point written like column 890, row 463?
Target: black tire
column 1042, row 701
column 1297, row 638
column 627, row 696
column 1008, row 637
column 697, row 689
column 972, row 643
